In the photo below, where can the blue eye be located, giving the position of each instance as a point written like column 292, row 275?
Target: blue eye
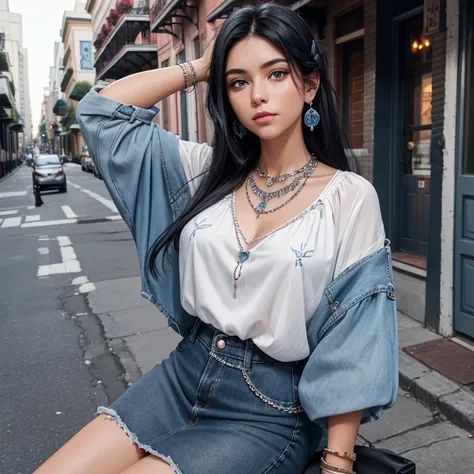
column 281, row 74
column 237, row 82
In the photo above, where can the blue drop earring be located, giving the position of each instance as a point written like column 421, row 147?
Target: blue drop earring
column 239, row 129
column 311, row 117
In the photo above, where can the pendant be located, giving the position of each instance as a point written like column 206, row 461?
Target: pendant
column 243, row 255
column 261, row 206
column 270, row 182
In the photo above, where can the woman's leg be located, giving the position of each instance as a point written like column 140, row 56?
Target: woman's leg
column 150, row 465
column 100, row 447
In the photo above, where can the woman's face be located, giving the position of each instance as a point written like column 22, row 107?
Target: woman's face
column 259, row 80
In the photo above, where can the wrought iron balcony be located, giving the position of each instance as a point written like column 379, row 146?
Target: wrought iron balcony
column 120, row 28
column 165, row 14
column 132, row 57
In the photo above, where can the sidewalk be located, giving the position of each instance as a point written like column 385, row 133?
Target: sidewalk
column 141, row 338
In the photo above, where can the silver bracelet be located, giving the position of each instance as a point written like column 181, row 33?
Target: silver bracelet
column 194, row 75
column 185, row 73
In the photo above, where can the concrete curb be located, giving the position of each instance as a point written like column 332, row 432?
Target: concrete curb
column 11, row 174
column 437, row 392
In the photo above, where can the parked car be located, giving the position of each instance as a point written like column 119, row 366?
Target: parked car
column 95, row 169
column 86, row 162
column 48, row 173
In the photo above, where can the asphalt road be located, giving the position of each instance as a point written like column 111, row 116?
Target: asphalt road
column 49, row 258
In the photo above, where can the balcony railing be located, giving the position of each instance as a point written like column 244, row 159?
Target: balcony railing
column 106, row 64
column 114, row 22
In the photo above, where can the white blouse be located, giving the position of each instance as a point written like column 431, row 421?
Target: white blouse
column 283, row 282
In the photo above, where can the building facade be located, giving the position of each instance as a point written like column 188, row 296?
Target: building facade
column 78, row 70
column 122, row 39
column 15, row 118
column 403, row 71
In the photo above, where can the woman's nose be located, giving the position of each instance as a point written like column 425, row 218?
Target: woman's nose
column 259, row 93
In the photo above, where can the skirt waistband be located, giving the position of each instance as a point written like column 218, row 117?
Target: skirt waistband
column 235, row 351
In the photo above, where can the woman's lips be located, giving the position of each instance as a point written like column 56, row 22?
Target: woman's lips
column 265, row 119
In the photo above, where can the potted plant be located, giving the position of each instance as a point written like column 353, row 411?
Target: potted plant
column 112, row 18
column 124, row 8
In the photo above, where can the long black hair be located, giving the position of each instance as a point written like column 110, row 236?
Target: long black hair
column 232, row 157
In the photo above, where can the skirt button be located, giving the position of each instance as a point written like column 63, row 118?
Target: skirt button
column 221, row 344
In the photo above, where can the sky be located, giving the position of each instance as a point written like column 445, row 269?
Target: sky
column 42, row 21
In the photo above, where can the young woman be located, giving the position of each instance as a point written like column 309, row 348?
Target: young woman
column 264, row 251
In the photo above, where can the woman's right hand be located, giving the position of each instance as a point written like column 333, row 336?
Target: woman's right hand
column 204, row 63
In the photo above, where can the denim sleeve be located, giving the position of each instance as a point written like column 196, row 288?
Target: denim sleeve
column 354, row 364
column 132, row 154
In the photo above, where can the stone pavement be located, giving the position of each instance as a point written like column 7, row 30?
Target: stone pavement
column 141, row 338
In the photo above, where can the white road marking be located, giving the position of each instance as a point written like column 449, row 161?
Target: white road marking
column 87, row 288
column 70, row 264
column 32, row 218
column 106, row 202
column 114, row 218
column 70, row 214
column 30, row 207
column 43, row 250
column 11, row 222
column 13, row 194
column 1, row 220
column 80, row 280
column 85, row 285
column 64, row 241
column 8, row 213
column 47, row 223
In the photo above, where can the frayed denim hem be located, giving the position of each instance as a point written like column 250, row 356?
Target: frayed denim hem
column 113, row 415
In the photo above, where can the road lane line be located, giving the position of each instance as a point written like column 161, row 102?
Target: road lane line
column 47, row 223
column 13, row 194
column 11, row 222
column 32, row 218
column 70, row 214
column 106, row 202
column 69, row 263
column 8, row 213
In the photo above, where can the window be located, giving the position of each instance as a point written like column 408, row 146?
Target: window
column 350, row 22
column 468, row 154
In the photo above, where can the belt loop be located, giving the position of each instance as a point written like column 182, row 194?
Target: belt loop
column 195, row 330
column 248, row 354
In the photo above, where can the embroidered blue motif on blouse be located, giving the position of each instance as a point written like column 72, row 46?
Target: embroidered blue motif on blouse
column 199, row 225
column 301, row 253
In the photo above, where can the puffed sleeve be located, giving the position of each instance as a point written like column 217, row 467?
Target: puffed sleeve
column 353, row 364
column 145, row 167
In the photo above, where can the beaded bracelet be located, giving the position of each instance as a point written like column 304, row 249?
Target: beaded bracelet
column 194, row 75
column 185, row 73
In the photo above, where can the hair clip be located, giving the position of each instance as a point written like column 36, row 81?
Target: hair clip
column 315, row 51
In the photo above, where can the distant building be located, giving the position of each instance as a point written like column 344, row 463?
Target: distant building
column 78, row 65
column 15, row 129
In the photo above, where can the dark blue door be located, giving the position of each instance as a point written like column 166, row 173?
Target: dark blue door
column 415, row 55
column 464, row 245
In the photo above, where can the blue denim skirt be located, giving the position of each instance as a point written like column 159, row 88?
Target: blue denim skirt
column 218, row 404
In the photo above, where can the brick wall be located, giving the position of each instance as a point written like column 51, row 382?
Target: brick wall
column 356, row 118
column 370, row 11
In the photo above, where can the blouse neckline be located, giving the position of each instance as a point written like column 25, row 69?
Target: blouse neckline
column 299, row 216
